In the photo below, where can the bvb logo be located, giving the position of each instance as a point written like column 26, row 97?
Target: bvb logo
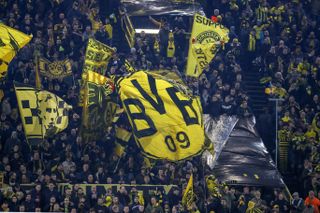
column 56, row 68
column 208, row 37
column 48, row 110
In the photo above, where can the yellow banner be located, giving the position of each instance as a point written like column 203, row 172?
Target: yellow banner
column 206, row 38
column 98, row 109
column 56, row 69
column 128, row 66
column 166, row 121
column 11, row 40
column 43, row 114
column 96, row 60
column 97, row 57
column 188, row 195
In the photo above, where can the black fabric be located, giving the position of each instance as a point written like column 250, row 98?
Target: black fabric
column 245, row 160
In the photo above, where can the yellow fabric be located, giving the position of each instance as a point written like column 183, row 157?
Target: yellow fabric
column 258, row 30
column 118, row 149
column 128, row 66
column 141, row 199
column 171, row 49
column 251, row 204
column 252, row 43
column 156, row 46
column 188, row 195
column 286, row 119
column 96, row 59
column 11, row 40
column 98, row 110
column 166, row 122
column 123, row 135
column 56, row 69
column 108, row 28
column 262, row 13
column 311, row 134
column 206, row 33
column 95, row 24
column 213, row 186
column 40, row 106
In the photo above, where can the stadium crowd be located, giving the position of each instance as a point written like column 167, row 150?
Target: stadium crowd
column 280, row 37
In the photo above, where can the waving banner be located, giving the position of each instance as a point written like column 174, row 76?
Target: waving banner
column 96, row 60
column 205, row 40
column 55, row 69
column 166, row 121
column 11, row 40
column 98, row 109
column 43, row 114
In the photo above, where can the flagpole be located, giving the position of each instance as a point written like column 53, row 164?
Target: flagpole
column 37, row 76
column 204, row 185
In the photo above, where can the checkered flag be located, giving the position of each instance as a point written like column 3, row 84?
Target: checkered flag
column 43, row 113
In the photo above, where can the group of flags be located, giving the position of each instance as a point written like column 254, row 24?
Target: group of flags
column 165, row 118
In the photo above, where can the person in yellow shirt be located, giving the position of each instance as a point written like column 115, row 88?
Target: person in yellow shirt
column 171, row 47
column 94, row 19
column 109, row 29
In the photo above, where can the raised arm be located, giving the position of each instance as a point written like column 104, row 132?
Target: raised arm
column 155, row 22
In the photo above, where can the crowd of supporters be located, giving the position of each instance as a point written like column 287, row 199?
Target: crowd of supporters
column 280, row 37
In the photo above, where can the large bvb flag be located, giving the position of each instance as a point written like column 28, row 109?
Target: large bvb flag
column 11, row 40
column 43, row 114
column 166, row 121
column 205, row 41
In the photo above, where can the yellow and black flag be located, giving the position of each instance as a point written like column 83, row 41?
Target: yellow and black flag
column 11, row 40
column 205, row 40
column 123, row 137
column 96, row 60
column 43, row 113
column 166, row 119
column 128, row 66
column 188, row 195
column 55, row 69
column 98, row 109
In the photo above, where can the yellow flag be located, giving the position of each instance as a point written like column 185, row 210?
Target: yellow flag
column 98, row 109
column 206, row 38
column 123, row 137
column 55, row 69
column 188, row 195
column 11, row 40
column 166, row 121
column 96, row 60
column 43, row 114
column 128, row 66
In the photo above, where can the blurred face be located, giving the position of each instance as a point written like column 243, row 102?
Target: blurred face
column 52, row 200
column 115, row 199
column 281, row 196
column 141, row 208
column 258, row 194
column 311, row 194
column 153, row 201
